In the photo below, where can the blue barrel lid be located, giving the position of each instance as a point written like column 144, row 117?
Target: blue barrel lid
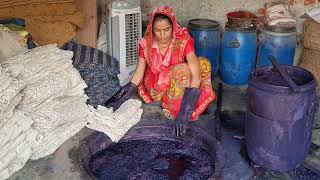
column 240, row 28
column 203, row 24
column 279, row 29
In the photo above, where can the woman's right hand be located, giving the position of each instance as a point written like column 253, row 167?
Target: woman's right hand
column 129, row 89
column 121, row 96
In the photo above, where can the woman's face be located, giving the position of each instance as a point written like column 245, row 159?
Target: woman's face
column 163, row 31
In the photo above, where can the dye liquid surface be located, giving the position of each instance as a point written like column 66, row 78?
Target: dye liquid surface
column 152, row 159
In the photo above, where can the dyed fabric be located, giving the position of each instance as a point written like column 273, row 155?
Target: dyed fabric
column 98, row 70
column 18, row 22
column 167, row 75
column 150, row 151
column 85, row 54
column 159, row 159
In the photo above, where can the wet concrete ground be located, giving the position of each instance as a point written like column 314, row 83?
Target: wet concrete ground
column 65, row 162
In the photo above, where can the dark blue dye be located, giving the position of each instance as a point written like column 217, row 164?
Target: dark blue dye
column 272, row 77
column 152, row 159
column 172, row 165
column 279, row 122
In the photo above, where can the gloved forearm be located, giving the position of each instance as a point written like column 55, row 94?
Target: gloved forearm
column 121, row 96
column 188, row 104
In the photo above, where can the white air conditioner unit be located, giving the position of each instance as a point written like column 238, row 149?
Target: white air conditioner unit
column 124, row 33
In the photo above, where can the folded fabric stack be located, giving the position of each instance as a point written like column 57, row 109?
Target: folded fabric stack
column 48, row 21
column 278, row 14
column 43, row 105
column 98, row 69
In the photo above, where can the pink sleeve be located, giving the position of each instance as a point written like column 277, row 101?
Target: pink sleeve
column 141, row 53
column 189, row 47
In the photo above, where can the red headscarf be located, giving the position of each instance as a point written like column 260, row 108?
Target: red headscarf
column 179, row 35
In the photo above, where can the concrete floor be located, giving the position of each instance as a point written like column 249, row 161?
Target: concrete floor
column 65, row 162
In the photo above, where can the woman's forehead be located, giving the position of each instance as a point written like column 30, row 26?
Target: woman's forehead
column 162, row 24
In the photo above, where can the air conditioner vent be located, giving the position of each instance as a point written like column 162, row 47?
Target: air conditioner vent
column 125, row 32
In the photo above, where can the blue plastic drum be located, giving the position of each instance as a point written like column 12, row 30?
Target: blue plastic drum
column 238, row 54
column 279, row 42
column 206, row 35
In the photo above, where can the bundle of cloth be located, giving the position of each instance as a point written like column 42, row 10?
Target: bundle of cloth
column 48, row 21
column 99, row 70
column 115, row 124
column 43, row 104
column 278, row 14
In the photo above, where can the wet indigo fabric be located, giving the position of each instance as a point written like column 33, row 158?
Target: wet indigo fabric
column 98, row 69
column 150, row 151
column 151, row 159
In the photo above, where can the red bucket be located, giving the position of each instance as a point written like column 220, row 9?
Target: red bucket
column 241, row 19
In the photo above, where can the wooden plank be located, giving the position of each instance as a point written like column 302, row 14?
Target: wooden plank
column 87, row 35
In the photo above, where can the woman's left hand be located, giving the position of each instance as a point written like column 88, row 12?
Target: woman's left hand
column 181, row 125
column 189, row 102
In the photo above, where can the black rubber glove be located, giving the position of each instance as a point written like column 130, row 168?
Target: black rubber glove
column 121, row 96
column 189, row 102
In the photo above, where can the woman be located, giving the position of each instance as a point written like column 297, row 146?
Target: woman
column 169, row 72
